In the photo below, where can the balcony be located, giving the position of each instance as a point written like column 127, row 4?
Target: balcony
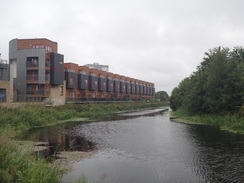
column 33, row 78
column 47, row 78
column 39, row 93
column 32, row 64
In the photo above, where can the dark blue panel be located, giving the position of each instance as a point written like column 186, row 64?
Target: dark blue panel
column 140, row 89
column 71, row 80
column 116, row 86
column 93, row 83
column 101, row 84
column 56, row 69
column 109, row 85
column 82, row 82
column 122, row 87
column 133, row 89
column 137, row 89
column 128, row 88
column 143, row 90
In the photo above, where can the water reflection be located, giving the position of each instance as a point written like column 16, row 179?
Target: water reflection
column 59, row 138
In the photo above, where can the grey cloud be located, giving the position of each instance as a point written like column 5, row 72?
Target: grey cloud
column 154, row 40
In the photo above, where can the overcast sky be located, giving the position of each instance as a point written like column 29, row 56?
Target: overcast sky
column 159, row 41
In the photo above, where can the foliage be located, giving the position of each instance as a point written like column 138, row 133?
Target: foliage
column 162, row 96
column 217, row 87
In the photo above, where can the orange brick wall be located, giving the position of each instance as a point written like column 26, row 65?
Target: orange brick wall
column 28, row 43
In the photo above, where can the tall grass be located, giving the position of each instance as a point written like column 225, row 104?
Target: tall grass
column 18, row 166
column 33, row 115
column 230, row 122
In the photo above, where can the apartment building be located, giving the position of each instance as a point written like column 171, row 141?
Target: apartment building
column 84, row 83
column 36, row 71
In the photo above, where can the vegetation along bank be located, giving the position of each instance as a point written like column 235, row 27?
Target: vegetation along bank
column 17, row 165
column 214, row 94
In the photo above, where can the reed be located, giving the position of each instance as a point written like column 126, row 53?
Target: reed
column 82, row 179
column 18, row 166
column 33, row 115
column 230, row 122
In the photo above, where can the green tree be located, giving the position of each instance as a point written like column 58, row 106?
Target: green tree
column 162, row 96
column 178, row 96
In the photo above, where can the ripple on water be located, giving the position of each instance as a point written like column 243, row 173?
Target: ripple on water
column 153, row 149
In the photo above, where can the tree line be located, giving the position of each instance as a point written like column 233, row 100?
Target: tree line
column 216, row 87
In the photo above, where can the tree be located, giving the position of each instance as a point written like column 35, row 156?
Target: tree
column 162, row 96
column 178, row 96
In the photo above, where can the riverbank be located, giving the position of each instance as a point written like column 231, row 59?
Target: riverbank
column 233, row 123
column 32, row 115
column 16, row 120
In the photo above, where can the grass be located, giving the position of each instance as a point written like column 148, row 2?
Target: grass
column 82, row 179
column 230, row 122
column 18, row 166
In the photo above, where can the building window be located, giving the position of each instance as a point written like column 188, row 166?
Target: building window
column 104, row 85
column 32, row 62
column 32, row 75
column 72, row 81
column 47, row 90
column 48, row 48
column 2, row 95
column 61, row 90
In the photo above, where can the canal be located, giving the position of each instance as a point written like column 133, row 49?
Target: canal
column 147, row 148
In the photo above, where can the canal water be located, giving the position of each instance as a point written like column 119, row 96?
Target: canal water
column 148, row 148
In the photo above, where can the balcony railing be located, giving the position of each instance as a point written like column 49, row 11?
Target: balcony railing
column 32, row 64
column 40, row 92
column 28, row 98
column 36, row 64
column 47, row 77
column 34, row 77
